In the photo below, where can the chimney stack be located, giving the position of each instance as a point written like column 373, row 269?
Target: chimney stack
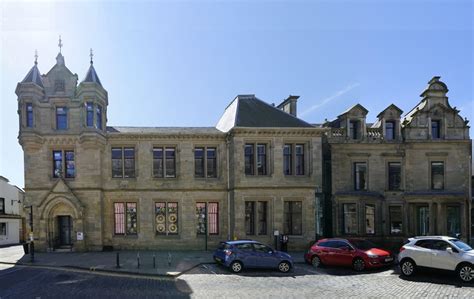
column 289, row 105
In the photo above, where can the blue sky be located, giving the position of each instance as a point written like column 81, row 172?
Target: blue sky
column 179, row 63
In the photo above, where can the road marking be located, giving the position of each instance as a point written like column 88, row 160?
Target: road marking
column 209, row 269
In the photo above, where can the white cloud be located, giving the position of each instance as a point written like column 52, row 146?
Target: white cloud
column 330, row 98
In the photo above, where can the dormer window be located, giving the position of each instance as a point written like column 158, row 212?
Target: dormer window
column 59, row 85
column 435, row 129
column 389, row 130
column 354, row 129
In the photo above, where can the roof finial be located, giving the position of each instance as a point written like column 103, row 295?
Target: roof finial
column 60, row 45
column 36, row 56
column 91, row 55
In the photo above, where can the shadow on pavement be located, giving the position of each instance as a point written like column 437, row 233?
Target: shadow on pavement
column 435, row 276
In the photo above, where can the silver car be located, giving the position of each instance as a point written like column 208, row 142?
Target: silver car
column 438, row 252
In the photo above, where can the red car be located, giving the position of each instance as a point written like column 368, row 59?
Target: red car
column 360, row 254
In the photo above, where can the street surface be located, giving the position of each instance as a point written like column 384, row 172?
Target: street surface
column 214, row 281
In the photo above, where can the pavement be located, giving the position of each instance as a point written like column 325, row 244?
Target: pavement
column 147, row 263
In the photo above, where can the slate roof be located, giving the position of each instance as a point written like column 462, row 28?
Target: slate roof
column 34, row 76
column 164, row 130
column 249, row 111
column 92, row 76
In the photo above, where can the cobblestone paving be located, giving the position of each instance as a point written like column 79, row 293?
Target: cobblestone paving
column 306, row 282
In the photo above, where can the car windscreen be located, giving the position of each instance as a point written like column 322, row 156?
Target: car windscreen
column 363, row 244
column 460, row 244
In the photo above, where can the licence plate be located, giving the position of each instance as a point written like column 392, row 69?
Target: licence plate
column 388, row 259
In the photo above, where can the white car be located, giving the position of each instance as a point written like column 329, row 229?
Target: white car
column 439, row 252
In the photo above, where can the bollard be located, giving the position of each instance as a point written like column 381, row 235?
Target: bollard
column 154, row 261
column 118, row 261
column 169, row 259
column 138, row 260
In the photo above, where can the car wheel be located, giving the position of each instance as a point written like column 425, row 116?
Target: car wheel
column 407, row 267
column 236, row 267
column 358, row 264
column 316, row 261
column 466, row 272
column 284, row 267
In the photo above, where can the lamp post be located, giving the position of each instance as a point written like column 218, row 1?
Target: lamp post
column 32, row 243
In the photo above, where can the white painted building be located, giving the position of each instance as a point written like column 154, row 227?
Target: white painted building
column 11, row 223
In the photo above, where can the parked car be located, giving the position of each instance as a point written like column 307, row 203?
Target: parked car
column 241, row 254
column 438, row 252
column 360, row 254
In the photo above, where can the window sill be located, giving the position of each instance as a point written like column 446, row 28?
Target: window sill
column 208, row 178
column 135, row 236
column 164, row 236
column 164, row 178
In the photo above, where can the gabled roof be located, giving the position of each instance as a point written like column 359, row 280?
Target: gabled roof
column 34, row 76
column 249, row 111
column 391, row 106
column 354, row 107
column 92, row 76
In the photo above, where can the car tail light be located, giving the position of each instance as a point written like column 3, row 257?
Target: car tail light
column 227, row 252
column 402, row 248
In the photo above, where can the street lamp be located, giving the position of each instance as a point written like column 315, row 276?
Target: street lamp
column 32, row 243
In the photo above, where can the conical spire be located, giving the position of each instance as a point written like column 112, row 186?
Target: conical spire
column 91, row 75
column 34, row 75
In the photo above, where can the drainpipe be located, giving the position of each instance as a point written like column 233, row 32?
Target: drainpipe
column 227, row 145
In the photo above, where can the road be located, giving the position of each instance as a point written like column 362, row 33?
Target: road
column 213, row 281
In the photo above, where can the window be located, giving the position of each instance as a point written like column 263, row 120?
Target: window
column 349, row 218
column 3, row 229
column 164, row 167
column 59, row 85
column 2, row 205
column 395, row 214
column 256, row 217
column 123, row 162
column 119, row 218
column 99, row 117
column 389, row 130
column 166, row 217
column 394, row 175
column 245, row 247
column 353, row 129
column 211, row 222
column 360, row 176
column 131, row 218
column 125, row 220
column 453, row 220
column 249, row 159
column 437, row 175
column 261, row 248
column 205, row 162
column 435, row 129
column 259, row 160
column 250, row 217
column 64, row 160
column 293, row 152
column 29, row 115
column 89, row 114
column 293, row 223
column 287, row 160
column 61, row 118
column 370, row 219
column 423, row 220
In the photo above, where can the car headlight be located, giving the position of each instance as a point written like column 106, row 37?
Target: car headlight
column 372, row 256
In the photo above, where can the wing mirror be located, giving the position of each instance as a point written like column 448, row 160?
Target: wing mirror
column 449, row 249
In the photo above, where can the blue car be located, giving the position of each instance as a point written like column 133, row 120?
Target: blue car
column 251, row 254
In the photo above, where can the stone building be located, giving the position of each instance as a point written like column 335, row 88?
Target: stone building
column 95, row 187
column 401, row 177
column 11, row 215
